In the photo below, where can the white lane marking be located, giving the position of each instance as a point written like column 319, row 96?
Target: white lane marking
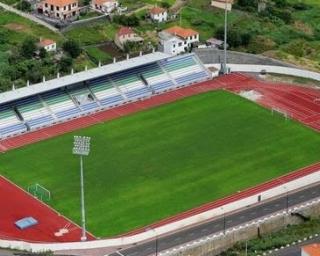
column 120, row 253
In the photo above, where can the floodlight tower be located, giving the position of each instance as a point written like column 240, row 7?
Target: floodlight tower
column 224, row 65
column 81, row 147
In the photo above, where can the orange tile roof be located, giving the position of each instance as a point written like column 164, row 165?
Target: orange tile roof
column 312, row 249
column 60, row 2
column 157, row 10
column 46, row 42
column 101, row 2
column 181, row 32
column 125, row 31
column 223, row 1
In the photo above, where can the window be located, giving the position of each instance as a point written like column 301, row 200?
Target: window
column 45, row 5
column 51, row 7
column 174, row 46
column 58, row 15
column 185, row 42
column 195, row 36
column 65, row 8
column 57, row 8
column 180, row 44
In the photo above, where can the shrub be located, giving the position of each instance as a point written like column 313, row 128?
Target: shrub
column 72, row 47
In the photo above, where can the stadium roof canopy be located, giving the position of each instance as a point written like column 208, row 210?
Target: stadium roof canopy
column 81, row 76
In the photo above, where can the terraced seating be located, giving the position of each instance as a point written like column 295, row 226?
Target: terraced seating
column 156, row 77
column 84, row 98
column 33, row 111
column 9, row 123
column 185, row 69
column 162, row 86
column 105, row 92
column 60, row 103
column 130, row 84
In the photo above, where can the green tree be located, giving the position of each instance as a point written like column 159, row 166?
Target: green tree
column 165, row 5
column 72, row 47
column 43, row 53
column 28, row 47
column 65, row 64
column 24, row 6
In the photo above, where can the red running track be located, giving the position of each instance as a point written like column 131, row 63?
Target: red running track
column 299, row 102
column 17, row 204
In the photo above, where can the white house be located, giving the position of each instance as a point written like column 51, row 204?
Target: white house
column 106, row 6
column 48, row 44
column 158, row 14
column 176, row 40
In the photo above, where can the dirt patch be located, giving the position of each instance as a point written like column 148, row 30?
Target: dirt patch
column 112, row 49
column 16, row 26
column 303, row 27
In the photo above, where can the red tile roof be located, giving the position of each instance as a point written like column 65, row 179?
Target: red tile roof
column 157, row 10
column 312, row 249
column 125, row 31
column 46, row 42
column 101, row 2
column 181, row 32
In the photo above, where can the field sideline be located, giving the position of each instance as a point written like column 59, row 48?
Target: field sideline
column 162, row 161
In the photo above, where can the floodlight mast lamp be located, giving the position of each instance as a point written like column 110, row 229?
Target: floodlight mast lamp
column 81, row 147
column 224, row 67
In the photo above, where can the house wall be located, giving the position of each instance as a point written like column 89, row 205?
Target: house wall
column 61, row 13
column 173, row 46
column 51, row 47
column 160, row 17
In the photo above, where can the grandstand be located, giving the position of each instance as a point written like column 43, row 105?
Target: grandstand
column 86, row 92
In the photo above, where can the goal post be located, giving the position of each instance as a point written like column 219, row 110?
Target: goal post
column 281, row 112
column 40, row 192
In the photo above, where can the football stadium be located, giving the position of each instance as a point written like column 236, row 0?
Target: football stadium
column 166, row 138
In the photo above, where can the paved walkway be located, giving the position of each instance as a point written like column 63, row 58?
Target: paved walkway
column 29, row 17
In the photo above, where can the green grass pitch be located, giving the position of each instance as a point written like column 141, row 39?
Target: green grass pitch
column 162, row 161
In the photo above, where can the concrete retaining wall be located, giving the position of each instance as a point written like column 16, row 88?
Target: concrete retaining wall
column 212, row 55
column 224, row 242
column 270, row 69
column 267, row 194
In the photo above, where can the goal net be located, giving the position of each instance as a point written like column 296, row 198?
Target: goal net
column 40, row 192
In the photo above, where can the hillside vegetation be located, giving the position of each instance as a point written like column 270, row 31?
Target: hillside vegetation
column 288, row 30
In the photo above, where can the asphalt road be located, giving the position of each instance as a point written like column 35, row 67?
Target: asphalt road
column 219, row 224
